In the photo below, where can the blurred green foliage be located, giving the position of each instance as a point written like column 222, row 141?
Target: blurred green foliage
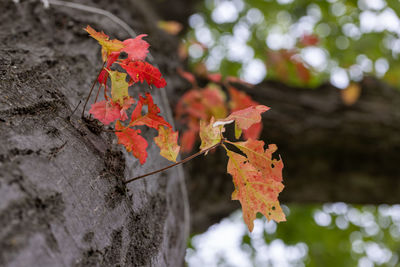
column 351, row 234
column 334, row 234
column 353, row 39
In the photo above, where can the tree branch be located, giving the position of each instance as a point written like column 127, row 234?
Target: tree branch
column 177, row 163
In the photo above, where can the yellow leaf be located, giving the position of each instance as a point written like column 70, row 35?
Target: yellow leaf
column 238, row 131
column 209, row 134
column 351, row 94
column 171, row 27
column 119, row 86
column 167, row 141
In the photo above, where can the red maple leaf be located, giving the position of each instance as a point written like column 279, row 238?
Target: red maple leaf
column 309, row 39
column 233, row 79
column 105, row 111
column 141, row 71
column 137, row 49
column 132, row 141
column 127, row 104
column 112, row 58
column 196, row 105
column 244, row 118
column 190, row 104
column 102, row 78
column 187, row 140
column 187, row 75
column 302, row 72
column 151, row 119
column 240, row 100
column 215, row 77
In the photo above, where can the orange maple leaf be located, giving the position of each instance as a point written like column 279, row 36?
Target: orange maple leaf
column 255, row 192
column 260, row 159
column 108, row 46
column 351, row 94
column 172, row 27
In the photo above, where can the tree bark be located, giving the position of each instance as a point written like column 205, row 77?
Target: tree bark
column 332, row 152
column 62, row 197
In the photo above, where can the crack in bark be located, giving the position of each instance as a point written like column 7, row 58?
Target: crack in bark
column 49, row 106
column 23, row 218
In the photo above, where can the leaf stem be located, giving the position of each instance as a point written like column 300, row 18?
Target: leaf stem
column 91, row 90
column 98, row 92
column 111, row 131
column 177, row 163
column 72, row 113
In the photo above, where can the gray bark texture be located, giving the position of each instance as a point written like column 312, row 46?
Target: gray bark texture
column 62, row 200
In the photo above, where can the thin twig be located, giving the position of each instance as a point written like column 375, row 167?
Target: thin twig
column 91, row 90
column 97, row 96
column 72, row 113
column 96, row 11
column 111, row 131
column 98, row 92
column 177, row 163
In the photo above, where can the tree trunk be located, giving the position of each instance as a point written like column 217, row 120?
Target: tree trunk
column 62, row 199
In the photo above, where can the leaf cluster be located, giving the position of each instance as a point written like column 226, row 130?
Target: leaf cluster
column 113, row 109
column 256, row 175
